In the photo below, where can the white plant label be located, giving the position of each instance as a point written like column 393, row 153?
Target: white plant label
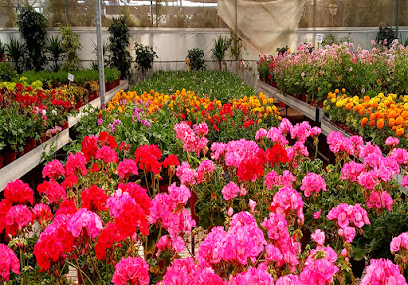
column 70, row 77
column 319, row 38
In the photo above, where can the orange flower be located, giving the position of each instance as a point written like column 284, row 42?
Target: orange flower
column 404, row 114
column 380, row 124
column 366, row 98
column 364, row 121
column 399, row 120
column 372, row 117
column 362, row 111
column 349, row 106
column 391, row 122
column 372, row 123
column 374, row 104
column 400, row 132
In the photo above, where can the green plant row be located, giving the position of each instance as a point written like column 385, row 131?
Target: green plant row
column 220, row 85
column 61, row 76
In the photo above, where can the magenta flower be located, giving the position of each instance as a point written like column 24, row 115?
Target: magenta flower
column 383, row 271
column 399, row 242
column 17, row 218
column 230, row 191
column 107, row 154
column 53, row 170
column 381, row 200
column 392, row 142
column 131, row 270
column 76, row 164
column 127, row 168
column 313, row 183
column 260, row 134
column 318, row 236
column 8, row 261
column 85, row 223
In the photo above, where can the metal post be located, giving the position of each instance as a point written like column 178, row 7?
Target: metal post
column 398, row 17
column 100, row 52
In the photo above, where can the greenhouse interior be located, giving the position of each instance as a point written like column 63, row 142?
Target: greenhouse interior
column 180, row 142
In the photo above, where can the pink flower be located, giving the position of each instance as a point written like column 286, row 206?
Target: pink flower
column 288, row 201
column 315, row 131
column 107, row 154
column 271, row 180
column 404, row 181
column 117, row 200
column 276, row 136
column 260, row 134
column 76, row 164
column 313, row 183
column 392, row 142
column 205, row 170
column 289, row 280
column 399, row 242
column 132, row 269
column 259, row 276
column 18, row 192
column 285, row 126
column 42, row 213
column 381, row 200
column 230, row 191
column 367, row 179
column 383, row 271
column 8, row 261
column 201, row 129
column 178, row 244
column 301, row 131
column 127, row 168
column 317, row 214
column 400, row 155
column 186, row 174
column 230, row 212
column 53, row 170
column 319, row 270
column 351, row 170
column 348, row 233
column 17, row 218
column 53, row 190
column 318, row 236
column 85, row 223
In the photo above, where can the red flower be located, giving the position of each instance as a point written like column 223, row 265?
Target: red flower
column 53, row 190
column 105, row 139
column 4, row 208
column 67, row 207
column 17, row 218
column 172, row 162
column 127, row 168
column 277, row 154
column 42, row 213
column 123, row 146
column 216, row 128
column 94, row 199
column 107, row 154
column 18, row 192
column 252, row 168
column 95, row 168
column 139, row 194
column 147, row 156
column 89, row 147
column 106, row 240
column 130, row 219
column 69, row 182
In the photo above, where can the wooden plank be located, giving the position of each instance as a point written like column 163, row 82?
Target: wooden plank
column 28, row 161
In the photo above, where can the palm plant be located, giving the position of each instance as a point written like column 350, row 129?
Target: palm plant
column 15, row 50
column 221, row 45
column 55, row 49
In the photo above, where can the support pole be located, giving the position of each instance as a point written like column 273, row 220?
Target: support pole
column 398, row 17
column 100, row 52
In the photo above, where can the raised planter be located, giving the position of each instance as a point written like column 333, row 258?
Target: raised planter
column 25, row 163
column 96, row 103
column 328, row 127
column 306, row 109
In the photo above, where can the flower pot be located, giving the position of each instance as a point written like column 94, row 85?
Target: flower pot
column 303, row 98
column 117, row 82
column 109, row 86
column 27, row 148
column 1, row 161
column 9, row 156
column 33, row 143
column 44, row 138
column 281, row 104
column 20, row 153
column 65, row 125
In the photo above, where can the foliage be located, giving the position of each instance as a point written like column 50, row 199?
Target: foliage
column 55, row 49
column 71, row 45
column 15, row 50
column 119, row 41
column 237, row 49
column 144, row 57
column 282, row 50
column 196, row 57
column 220, row 85
column 221, row 45
column 31, row 25
column 2, row 51
column 7, row 73
column 385, row 36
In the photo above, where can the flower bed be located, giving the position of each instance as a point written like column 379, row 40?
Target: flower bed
column 377, row 118
column 311, row 74
column 272, row 214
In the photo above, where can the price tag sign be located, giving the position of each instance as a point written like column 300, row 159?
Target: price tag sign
column 70, row 77
column 319, row 38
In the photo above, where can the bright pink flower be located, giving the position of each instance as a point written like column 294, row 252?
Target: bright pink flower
column 301, row 131
column 399, row 242
column 404, row 181
column 107, row 154
column 288, row 201
column 67, row 207
column 260, row 134
column 186, row 174
column 201, row 129
column 4, row 208
column 53, row 190
column 89, row 147
column 76, row 164
column 317, row 214
column 205, row 170
column 42, row 213
column 315, row 131
column 392, row 142
column 289, row 280
column 285, row 126
column 117, row 200
column 318, row 236
column 381, row 200
column 132, row 269
column 252, row 205
column 230, row 212
column 17, row 218
column 400, row 155
column 273, row 253
column 271, row 180
column 276, row 136
column 18, row 192
column 367, row 179
column 313, row 183
column 320, row 270
column 230, row 191
column 180, row 272
column 84, row 223
column 338, row 143
column 127, row 168
column 8, row 261
column 351, row 170
column 383, row 271
column 53, row 170
column 139, row 194
column 259, row 276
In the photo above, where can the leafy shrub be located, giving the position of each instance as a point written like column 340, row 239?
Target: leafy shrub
column 7, row 73
column 15, row 51
column 119, row 41
column 385, row 36
column 144, row 57
column 54, row 47
column 71, row 45
column 31, row 25
column 221, row 45
column 196, row 57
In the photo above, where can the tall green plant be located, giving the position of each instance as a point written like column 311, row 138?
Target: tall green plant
column 54, row 47
column 221, row 45
column 118, row 44
column 71, row 45
column 31, row 25
column 196, row 57
column 15, row 51
column 144, row 57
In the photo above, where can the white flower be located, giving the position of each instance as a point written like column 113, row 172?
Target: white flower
column 44, row 112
